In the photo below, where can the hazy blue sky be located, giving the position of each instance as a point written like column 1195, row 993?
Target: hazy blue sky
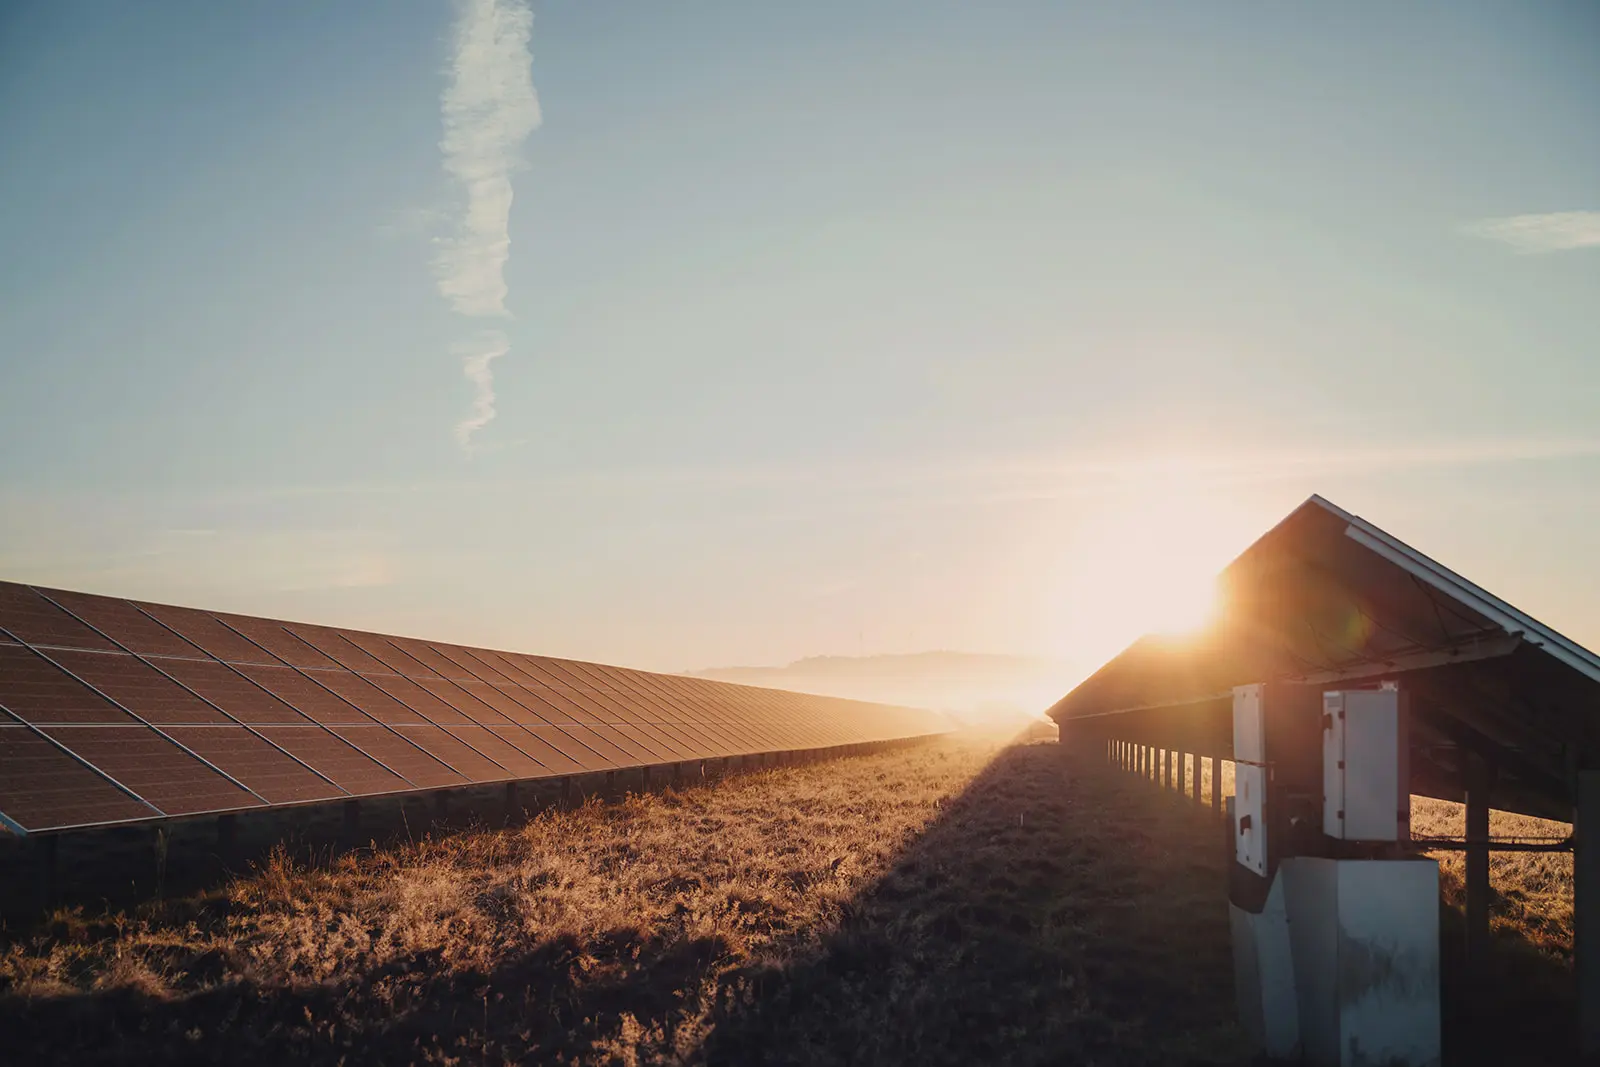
column 832, row 327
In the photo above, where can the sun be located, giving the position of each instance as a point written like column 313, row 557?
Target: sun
column 1146, row 564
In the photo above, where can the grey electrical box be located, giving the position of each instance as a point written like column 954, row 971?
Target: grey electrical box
column 1250, row 777
column 1365, row 774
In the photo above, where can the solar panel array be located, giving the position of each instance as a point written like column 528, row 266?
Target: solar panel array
column 115, row 711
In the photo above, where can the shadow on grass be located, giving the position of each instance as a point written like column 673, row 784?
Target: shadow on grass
column 1058, row 912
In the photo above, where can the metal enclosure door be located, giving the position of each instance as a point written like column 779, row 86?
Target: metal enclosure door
column 1249, row 778
column 1365, row 791
column 1333, row 720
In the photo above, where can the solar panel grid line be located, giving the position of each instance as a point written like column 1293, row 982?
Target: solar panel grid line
column 278, row 776
column 504, row 700
column 544, row 704
column 209, row 634
column 169, row 776
column 363, row 695
column 424, row 767
column 637, row 753
column 389, row 654
column 661, row 709
column 671, row 748
column 561, row 707
column 478, row 666
column 599, row 739
column 654, row 751
column 152, row 726
column 357, row 773
column 454, row 695
column 502, row 662
column 424, row 653
column 703, row 743
column 336, row 711
column 422, row 702
column 583, row 752
column 631, row 707
column 535, row 668
column 47, row 787
column 337, row 646
column 521, row 764
column 400, row 754
column 278, row 639
column 461, row 757
column 34, row 619
column 35, row 690
column 124, row 624
column 551, row 747
column 131, row 682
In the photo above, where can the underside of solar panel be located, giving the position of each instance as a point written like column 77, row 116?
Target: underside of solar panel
column 115, row 711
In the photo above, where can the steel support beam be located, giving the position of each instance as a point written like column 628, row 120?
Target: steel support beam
column 1478, row 774
column 1586, row 910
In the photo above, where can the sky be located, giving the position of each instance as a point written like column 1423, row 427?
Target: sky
column 725, row 333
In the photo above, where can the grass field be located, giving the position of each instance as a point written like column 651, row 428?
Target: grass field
column 952, row 903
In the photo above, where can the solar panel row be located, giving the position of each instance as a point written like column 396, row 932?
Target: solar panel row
column 114, row 710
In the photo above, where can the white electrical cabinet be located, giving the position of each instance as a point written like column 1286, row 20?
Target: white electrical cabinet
column 1365, row 777
column 1250, row 778
column 1364, row 938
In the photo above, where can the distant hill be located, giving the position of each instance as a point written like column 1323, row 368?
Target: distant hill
column 973, row 685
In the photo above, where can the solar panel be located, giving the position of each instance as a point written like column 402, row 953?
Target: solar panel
column 44, row 788
column 32, row 619
column 336, row 646
column 199, row 712
column 276, row 638
column 425, row 654
column 399, row 755
column 168, row 778
column 550, row 705
column 554, row 749
column 386, row 652
column 205, row 631
column 476, row 666
column 37, row 691
column 659, row 750
column 366, row 696
column 125, row 624
column 472, row 764
column 303, row 694
column 453, row 694
column 271, row 773
column 424, row 701
column 600, row 746
column 138, row 687
column 520, row 763
column 335, row 759
column 227, row 689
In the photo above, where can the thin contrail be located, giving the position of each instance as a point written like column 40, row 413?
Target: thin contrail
column 489, row 107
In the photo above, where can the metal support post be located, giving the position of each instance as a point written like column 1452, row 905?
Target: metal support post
column 1479, row 779
column 1216, row 786
column 513, row 804
column 350, row 828
column 1586, row 910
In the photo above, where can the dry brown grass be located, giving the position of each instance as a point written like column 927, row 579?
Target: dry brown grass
column 953, row 903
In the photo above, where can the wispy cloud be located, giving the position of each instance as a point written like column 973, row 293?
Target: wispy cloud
column 476, row 358
column 489, row 108
column 1553, row 232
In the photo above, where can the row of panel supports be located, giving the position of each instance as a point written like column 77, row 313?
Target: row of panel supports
column 1174, row 769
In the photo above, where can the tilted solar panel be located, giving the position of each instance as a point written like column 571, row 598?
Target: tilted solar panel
column 114, row 711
